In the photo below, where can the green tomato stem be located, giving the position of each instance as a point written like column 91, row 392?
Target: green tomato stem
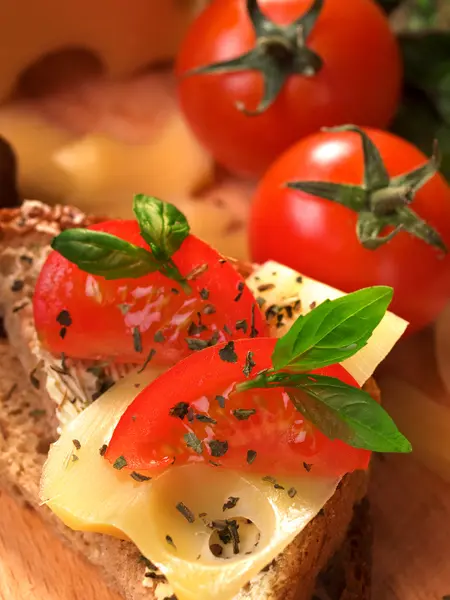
column 380, row 201
column 279, row 52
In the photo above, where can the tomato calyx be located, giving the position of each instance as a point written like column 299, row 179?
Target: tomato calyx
column 381, row 201
column 162, row 226
column 279, row 52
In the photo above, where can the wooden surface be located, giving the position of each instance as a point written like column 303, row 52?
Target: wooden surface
column 34, row 565
column 411, row 508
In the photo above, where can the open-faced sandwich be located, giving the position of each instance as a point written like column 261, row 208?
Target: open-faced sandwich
column 212, row 425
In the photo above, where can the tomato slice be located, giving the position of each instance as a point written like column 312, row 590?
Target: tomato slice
column 87, row 317
column 275, row 439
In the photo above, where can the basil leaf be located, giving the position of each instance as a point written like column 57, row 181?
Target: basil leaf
column 340, row 411
column 104, row 254
column 163, row 226
column 333, row 331
column 348, row 413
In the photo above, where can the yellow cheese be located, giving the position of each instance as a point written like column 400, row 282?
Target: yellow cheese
column 87, row 493
column 100, row 174
column 124, row 36
column 99, row 171
column 288, row 289
column 35, row 143
column 105, row 173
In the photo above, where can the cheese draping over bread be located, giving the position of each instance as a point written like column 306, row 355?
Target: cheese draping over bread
column 87, row 493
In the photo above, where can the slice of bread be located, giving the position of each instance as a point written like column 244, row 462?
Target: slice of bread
column 28, row 426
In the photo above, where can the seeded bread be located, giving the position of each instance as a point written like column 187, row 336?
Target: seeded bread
column 28, row 426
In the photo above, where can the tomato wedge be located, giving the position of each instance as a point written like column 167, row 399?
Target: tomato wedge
column 88, row 317
column 191, row 413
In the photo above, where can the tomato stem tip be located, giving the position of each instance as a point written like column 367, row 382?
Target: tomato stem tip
column 381, row 201
column 280, row 51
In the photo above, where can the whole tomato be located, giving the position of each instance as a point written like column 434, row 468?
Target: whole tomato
column 393, row 230
column 312, row 63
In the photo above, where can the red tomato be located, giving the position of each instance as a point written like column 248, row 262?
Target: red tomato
column 323, row 232
column 359, row 82
column 150, row 438
column 104, row 314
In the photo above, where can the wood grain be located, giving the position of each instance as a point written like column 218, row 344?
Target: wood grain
column 35, row 565
column 411, row 510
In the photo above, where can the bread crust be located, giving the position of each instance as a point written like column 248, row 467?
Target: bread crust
column 25, row 432
column 36, row 217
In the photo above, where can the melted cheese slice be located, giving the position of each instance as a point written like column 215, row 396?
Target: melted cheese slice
column 87, row 493
column 289, row 287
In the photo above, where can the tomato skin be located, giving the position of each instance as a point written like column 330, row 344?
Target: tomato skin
column 150, row 438
column 101, row 330
column 359, row 83
column 323, row 233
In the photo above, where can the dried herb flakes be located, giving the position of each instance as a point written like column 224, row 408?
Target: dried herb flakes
column 139, row 477
column 180, row 410
column 230, row 503
column 227, row 353
column 251, row 455
column 64, row 319
column 103, row 450
column 221, row 401
column 242, row 414
column 193, row 442
column 249, row 364
column 137, row 340
column 185, row 511
column 218, row 448
column 120, row 463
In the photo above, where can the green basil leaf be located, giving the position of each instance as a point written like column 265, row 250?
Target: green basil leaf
column 333, row 331
column 163, row 226
column 104, row 254
column 342, row 411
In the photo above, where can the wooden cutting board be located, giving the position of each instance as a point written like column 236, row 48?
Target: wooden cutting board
column 411, row 508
